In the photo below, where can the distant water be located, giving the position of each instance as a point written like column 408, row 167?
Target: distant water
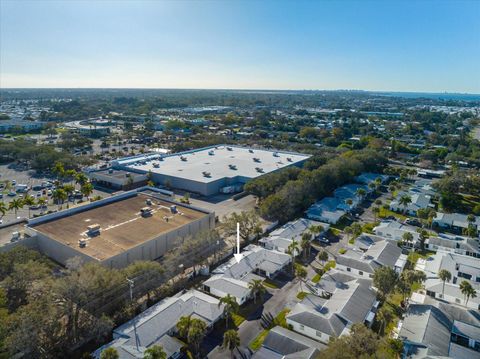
column 434, row 96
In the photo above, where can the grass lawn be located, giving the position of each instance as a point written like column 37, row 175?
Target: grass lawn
column 270, row 284
column 256, row 343
column 413, row 257
column 368, row 227
column 302, row 295
column 237, row 319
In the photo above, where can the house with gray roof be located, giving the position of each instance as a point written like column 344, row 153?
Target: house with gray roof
column 233, row 277
column 418, row 201
column 281, row 343
column 157, row 325
column 349, row 192
column 363, row 260
column 454, row 221
column 454, row 244
column 321, row 319
column 462, row 268
column 282, row 237
column 329, row 210
column 429, row 331
column 395, row 230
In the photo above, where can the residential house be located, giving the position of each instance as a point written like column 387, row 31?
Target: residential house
column 454, row 221
column 234, row 277
column 461, row 268
column 395, row 230
column 283, row 343
column 454, row 244
column 443, row 330
column 327, row 210
column 281, row 238
column 157, row 325
column 363, row 260
column 349, row 192
column 321, row 318
column 418, row 201
column 369, row 177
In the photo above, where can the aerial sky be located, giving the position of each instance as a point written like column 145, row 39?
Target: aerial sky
column 408, row 45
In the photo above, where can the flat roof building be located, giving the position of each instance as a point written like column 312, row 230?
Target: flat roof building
column 210, row 170
column 118, row 230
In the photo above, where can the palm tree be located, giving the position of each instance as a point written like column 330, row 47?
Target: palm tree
column 422, row 237
column 315, row 230
column 81, row 179
column 293, row 249
column 3, row 209
column 305, row 244
column 445, row 276
column 375, row 211
column 183, row 326
column 15, row 204
column 230, row 307
column 231, row 341
column 404, row 201
column 69, row 189
column 407, row 237
column 468, row 291
column 41, row 202
column 360, row 192
column 196, row 333
column 28, row 201
column 323, row 257
column 256, row 288
column 384, row 316
column 154, row 352
column 86, row 189
column 59, row 196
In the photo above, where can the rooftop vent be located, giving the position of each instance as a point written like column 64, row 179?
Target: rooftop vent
column 251, row 151
column 206, row 174
column 173, row 208
column 82, row 243
column 259, row 169
column 146, row 211
column 275, row 154
column 289, row 159
column 183, row 158
column 232, row 167
column 93, row 229
column 148, row 201
column 229, row 149
column 211, row 153
column 156, row 164
column 160, row 158
column 256, row 159
column 110, row 170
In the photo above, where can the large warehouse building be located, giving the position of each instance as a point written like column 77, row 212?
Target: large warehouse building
column 210, row 170
column 136, row 225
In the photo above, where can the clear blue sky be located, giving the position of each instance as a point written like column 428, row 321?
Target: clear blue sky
column 372, row 45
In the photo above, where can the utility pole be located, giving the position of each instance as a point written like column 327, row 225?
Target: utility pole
column 131, row 284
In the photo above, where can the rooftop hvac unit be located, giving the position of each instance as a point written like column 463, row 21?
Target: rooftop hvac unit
column 110, row 170
column 82, row 243
column 156, row 164
column 256, row 159
column 183, row 158
column 146, row 211
column 211, row 153
column 173, row 209
column 289, row 159
column 160, row 158
column 148, row 201
column 232, row 167
column 206, row 174
column 259, row 169
column 93, row 229
column 275, row 154
column 15, row 236
column 229, row 149
column 251, row 151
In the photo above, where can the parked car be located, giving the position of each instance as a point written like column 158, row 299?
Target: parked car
column 12, row 194
column 413, row 222
column 324, row 240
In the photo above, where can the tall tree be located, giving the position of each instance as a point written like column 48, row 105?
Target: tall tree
column 109, row 353
column 154, row 352
column 196, row 333
column 256, row 288
column 293, row 250
column 305, row 244
column 230, row 307
column 3, row 209
column 15, row 205
column 385, row 279
column 231, row 341
column 28, row 201
column 250, row 225
column 404, row 201
column 86, row 189
column 467, row 290
column 445, row 276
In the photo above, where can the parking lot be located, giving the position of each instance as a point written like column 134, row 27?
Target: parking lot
column 31, row 179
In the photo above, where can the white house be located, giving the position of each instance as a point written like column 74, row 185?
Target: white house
column 351, row 301
column 418, row 201
column 234, row 277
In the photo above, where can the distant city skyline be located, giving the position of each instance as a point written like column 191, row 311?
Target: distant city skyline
column 399, row 46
